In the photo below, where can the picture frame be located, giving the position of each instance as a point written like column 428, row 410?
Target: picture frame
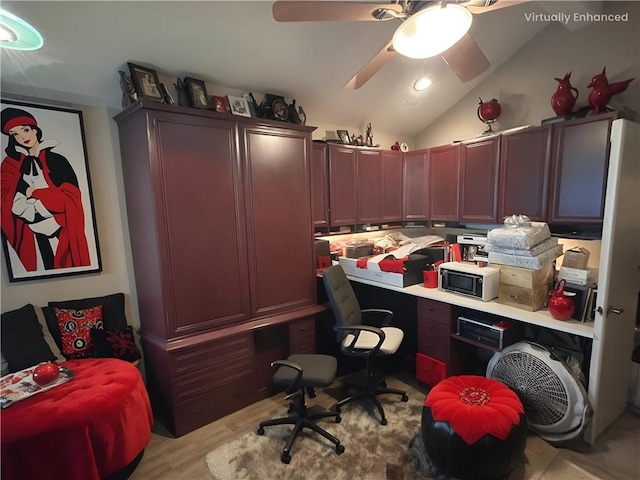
column 219, row 104
column 239, row 106
column 41, row 240
column 197, row 93
column 146, row 82
column 168, row 99
column 344, row 136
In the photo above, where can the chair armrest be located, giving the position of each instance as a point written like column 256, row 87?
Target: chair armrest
column 355, row 331
column 286, row 363
column 378, row 312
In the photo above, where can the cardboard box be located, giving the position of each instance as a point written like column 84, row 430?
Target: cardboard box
column 524, row 288
column 412, row 275
column 577, row 276
column 577, row 257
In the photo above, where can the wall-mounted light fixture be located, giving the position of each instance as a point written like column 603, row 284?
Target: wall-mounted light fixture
column 431, row 31
column 17, row 34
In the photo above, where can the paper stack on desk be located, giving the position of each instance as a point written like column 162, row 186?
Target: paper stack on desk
column 529, row 246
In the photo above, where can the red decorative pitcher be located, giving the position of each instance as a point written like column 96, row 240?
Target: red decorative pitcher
column 561, row 307
column 563, row 100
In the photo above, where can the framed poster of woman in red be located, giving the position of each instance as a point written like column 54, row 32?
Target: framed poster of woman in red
column 47, row 213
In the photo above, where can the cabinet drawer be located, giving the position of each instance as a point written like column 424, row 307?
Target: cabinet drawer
column 212, row 404
column 302, row 329
column 225, row 372
column 434, row 347
column 305, row 345
column 436, row 311
column 430, row 370
column 213, row 356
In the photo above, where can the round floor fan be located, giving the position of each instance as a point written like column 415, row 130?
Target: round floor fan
column 554, row 399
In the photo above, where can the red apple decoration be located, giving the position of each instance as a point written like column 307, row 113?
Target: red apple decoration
column 46, row 373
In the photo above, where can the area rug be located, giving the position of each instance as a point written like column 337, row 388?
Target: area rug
column 372, row 451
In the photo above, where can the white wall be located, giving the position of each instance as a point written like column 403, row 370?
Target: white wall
column 525, row 83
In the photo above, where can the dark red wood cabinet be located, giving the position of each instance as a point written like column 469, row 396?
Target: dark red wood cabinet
column 208, row 199
column 443, row 182
column 524, row 172
column 415, row 202
column 392, row 186
column 369, row 186
column 479, row 166
column 320, row 185
column 579, row 163
column 342, row 184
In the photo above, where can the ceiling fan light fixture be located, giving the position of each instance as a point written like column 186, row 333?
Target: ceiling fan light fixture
column 17, row 34
column 431, row 31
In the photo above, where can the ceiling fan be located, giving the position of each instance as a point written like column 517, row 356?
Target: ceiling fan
column 459, row 50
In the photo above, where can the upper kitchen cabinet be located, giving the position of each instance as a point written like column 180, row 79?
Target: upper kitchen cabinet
column 479, row 161
column 416, row 186
column 320, row 185
column 524, row 173
column 443, row 182
column 342, row 184
column 369, row 186
column 579, row 163
column 392, row 188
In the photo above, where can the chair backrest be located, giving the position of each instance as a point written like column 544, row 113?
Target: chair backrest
column 342, row 297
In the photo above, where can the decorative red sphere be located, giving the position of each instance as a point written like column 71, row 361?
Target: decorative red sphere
column 561, row 307
column 489, row 111
column 46, row 373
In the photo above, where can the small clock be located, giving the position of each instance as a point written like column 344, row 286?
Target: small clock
column 280, row 109
column 404, row 147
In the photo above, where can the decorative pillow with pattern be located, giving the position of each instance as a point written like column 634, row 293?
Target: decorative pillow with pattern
column 117, row 344
column 75, row 329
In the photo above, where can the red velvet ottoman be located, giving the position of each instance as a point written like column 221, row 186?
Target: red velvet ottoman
column 86, row 429
column 474, row 427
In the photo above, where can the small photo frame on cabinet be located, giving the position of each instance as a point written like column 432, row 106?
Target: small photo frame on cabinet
column 219, row 104
column 239, row 106
column 146, row 82
column 197, row 92
column 344, row 136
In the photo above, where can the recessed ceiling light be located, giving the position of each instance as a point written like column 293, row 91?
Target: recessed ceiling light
column 422, row 84
column 17, row 34
column 431, row 31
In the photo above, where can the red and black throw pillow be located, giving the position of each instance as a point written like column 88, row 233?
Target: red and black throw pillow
column 75, row 329
column 115, row 344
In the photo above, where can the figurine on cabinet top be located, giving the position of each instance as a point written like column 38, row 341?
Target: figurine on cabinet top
column 563, row 100
column 603, row 90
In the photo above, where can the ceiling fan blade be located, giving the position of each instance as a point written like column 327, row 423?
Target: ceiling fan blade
column 370, row 69
column 321, row 11
column 466, row 59
column 476, row 7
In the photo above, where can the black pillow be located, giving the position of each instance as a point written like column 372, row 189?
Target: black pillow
column 114, row 344
column 113, row 316
column 21, row 339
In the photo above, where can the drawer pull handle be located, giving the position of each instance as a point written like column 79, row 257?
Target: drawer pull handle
column 303, row 329
column 515, row 297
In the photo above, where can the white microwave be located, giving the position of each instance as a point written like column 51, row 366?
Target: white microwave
column 469, row 279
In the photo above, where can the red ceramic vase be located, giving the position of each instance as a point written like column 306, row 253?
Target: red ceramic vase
column 561, row 307
column 46, row 373
column 563, row 100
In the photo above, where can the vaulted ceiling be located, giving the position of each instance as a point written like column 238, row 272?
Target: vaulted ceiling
column 237, row 44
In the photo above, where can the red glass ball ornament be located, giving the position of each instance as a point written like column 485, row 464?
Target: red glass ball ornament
column 46, row 373
column 561, row 307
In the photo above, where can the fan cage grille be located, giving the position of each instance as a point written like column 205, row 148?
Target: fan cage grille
column 542, row 392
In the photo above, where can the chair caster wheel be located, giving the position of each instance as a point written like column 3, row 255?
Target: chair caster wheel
column 260, row 431
column 339, row 449
column 383, row 421
column 338, row 419
column 405, row 398
column 285, row 458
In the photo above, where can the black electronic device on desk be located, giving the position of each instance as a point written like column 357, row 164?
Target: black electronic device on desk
column 496, row 333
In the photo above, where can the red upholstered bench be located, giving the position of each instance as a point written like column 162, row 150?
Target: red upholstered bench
column 474, row 427
column 89, row 428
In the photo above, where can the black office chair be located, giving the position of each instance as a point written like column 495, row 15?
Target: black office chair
column 299, row 374
column 361, row 340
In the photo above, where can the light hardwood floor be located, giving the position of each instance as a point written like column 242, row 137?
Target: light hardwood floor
column 615, row 456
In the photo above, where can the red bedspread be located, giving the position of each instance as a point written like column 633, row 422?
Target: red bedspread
column 87, row 428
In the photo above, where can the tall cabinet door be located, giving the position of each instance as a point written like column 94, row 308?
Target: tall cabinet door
column 342, row 185
column 392, row 172
column 369, row 186
column 199, row 222
column 479, row 180
column 524, row 170
column 443, row 182
column 415, row 186
column 579, row 169
column 277, row 184
column 320, row 185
